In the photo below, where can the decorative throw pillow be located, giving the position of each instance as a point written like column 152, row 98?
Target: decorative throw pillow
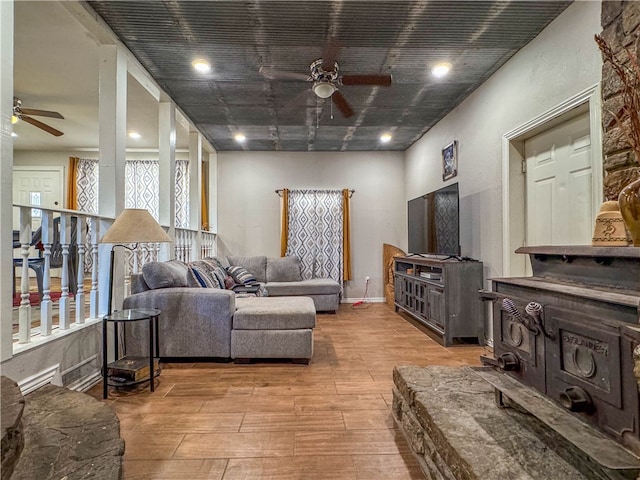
column 241, row 275
column 284, row 269
column 223, row 261
column 257, row 265
column 165, row 274
column 229, row 282
column 205, row 274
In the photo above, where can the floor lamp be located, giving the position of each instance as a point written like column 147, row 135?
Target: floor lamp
column 133, row 225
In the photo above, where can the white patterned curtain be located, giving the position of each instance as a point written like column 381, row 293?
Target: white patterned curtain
column 87, row 185
column 182, row 193
column 315, row 232
column 87, row 198
column 142, row 187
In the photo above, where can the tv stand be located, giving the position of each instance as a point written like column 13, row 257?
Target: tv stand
column 441, row 293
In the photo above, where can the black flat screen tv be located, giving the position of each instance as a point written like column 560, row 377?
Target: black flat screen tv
column 434, row 222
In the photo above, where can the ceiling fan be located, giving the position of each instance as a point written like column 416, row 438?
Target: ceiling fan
column 327, row 79
column 20, row 113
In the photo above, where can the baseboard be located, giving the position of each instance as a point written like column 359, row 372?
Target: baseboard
column 84, row 384
column 38, row 380
column 83, row 375
column 367, row 300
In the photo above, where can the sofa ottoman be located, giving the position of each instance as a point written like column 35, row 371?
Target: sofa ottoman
column 273, row 327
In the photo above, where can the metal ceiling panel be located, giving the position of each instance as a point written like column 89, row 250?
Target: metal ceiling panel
column 404, row 38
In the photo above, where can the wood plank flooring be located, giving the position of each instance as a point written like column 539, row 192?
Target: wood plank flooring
column 330, row 419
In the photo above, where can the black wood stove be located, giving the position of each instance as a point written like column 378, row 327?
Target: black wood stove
column 572, row 332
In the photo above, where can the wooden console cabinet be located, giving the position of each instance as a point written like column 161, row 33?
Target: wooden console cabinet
column 442, row 294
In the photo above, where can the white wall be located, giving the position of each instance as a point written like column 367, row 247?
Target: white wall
column 249, row 209
column 561, row 62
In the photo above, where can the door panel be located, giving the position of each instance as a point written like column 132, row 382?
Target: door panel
column 42, row 186
column 559, row 201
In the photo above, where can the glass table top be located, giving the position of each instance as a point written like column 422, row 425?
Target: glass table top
column 132, row 314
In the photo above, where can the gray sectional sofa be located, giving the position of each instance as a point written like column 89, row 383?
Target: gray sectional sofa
column 281, row 277
column 215, row 322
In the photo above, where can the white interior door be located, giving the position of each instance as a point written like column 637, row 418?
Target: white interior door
column 38, row 186
column 559, row 186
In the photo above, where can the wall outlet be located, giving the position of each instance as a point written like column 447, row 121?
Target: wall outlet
column 366, row 279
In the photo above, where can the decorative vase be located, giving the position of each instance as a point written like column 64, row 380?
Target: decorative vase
column 609, row 229
column 629, row 200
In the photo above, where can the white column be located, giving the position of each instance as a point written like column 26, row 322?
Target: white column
column 6, row 177
column 195, row 174
column 213, row 192
column 167, row 164
column 195, row 189
column 112, row 146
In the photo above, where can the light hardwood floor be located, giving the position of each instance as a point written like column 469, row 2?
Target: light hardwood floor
column 327, row 420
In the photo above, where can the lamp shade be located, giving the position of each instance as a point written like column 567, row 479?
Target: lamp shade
column 135, row 225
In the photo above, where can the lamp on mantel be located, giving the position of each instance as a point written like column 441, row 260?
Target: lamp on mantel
column 133, row 225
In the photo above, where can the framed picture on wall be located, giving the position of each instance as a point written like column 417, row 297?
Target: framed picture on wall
column 450, row 161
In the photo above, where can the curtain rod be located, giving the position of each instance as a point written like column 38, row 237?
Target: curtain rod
column 279, row 192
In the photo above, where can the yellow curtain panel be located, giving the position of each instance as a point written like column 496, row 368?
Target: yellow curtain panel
column 72, row 189
column 284, row 224
column 346, row 236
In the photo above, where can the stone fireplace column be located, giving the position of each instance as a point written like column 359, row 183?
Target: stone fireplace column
column 620, row 28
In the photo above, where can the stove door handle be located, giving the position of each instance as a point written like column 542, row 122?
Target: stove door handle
column 487, row 295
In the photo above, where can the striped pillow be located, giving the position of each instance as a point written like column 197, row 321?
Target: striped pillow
column 241, row 275
column 207, row 274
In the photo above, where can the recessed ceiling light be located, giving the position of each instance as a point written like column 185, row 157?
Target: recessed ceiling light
column 441, row 69
column 239, row 137
column 201, row 65
column 386, row 137
column 135, row 135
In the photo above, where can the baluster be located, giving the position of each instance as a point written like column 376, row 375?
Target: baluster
column 64, row 304
column 189, row 244
column 130, row 266
column 176, row 246
column 93, row 297
column 46, row 305
column 80, row 241
column 24, row 319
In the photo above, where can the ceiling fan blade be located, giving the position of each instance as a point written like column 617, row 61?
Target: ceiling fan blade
column 43, row 126
column 382, row 80
column 273, row 74
column 41, row 113
column 330, row 54
column 342, row 104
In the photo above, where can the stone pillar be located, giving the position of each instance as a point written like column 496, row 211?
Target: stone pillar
column 620, row 28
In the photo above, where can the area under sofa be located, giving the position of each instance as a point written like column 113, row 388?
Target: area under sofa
column 215, row 323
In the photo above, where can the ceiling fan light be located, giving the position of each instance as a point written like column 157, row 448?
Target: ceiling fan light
column 323, row 89
column 14, row 119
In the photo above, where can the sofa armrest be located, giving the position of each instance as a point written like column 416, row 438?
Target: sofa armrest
column 195, row 322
